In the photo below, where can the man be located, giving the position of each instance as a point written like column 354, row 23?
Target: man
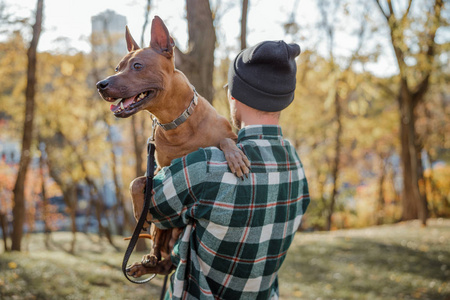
column 238, row 231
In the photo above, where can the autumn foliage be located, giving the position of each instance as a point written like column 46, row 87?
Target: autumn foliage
column 345, row 122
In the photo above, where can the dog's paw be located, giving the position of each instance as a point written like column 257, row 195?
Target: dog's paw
column 149, row 260
column 236, row 159
column 137, row 270
column 163, row 267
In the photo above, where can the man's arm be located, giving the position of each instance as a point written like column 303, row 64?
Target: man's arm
column 176, row 189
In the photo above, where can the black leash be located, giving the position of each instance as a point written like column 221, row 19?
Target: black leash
column 147, row 197
column 163, row 291
column 143, row 217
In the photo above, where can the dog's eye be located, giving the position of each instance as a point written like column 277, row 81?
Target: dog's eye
column 116, row 69
column 137, row 66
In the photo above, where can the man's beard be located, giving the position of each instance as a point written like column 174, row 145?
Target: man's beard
column 236, row 122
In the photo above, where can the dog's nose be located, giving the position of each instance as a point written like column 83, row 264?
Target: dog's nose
column 101, row 85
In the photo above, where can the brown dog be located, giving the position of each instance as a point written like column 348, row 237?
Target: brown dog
column 146, row 79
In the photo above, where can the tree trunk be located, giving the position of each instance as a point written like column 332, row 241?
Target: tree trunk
column 423, row 204
column 412, row 201
column 119, row 206
column 379, row 212
column 99, row 203
column 4, row 227
column 198, row 63
column 139, row 144
column 435, row 193
column 146, row 15
column 73, row 214
column 323, row 201
column 139, row 139
column 25, row 155
column 335, row 169
column 244, row 24
column 70, row 198
column 45, row 204
column 69, row 191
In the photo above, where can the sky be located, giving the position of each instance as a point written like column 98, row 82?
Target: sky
column 71, row 19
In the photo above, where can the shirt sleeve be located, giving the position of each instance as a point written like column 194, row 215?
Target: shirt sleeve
column 176, row 190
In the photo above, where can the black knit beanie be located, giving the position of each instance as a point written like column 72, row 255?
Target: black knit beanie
column 264, row 76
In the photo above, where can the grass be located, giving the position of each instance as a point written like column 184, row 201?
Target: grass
column 402, row 261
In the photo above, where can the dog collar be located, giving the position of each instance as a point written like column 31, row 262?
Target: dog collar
column 183, row 117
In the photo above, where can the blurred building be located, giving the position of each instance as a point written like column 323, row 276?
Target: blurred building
column 108, row 33
column 108, row 47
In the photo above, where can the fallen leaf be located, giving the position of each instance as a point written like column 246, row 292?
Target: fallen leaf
column 298, row 294
column 12, row 265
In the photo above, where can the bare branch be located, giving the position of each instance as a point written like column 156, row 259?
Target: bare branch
column 244, row 24
column 360, row 44
column 327, row 25
column 422, row 87
column 407, row 10
column 386, row 15
column 391, row 9
column 146, row 16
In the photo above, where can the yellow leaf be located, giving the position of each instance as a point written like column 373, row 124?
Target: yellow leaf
column 67, row 68
column 424, row 248
column 298, row 294
column 12, row 265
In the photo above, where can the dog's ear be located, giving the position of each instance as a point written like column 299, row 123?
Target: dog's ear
column 131, row 44
column 161, row 40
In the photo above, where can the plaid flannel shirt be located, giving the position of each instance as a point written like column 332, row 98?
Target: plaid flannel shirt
column 237, row 231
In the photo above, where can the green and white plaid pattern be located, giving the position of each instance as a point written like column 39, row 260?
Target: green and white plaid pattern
column 237, row 231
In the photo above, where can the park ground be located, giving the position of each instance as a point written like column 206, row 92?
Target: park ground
column 401, row 261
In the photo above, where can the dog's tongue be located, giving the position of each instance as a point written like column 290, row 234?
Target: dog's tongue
column 127, row 102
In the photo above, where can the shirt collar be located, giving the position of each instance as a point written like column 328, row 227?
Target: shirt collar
column 268, row 132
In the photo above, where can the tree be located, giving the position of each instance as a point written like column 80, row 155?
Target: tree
column 138, row 121
column 328, row 111
column 198, row 62
column 413, row 85
column 244, row 24
column 104, row 61
column 433, row 129
column 25, row 156
column 75, row 158
column 45, row 202
column 340, row 93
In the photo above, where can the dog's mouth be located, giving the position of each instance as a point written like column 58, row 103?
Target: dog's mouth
column 125, row 107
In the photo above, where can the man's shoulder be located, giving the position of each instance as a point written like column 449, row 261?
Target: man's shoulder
column 202, row 155
column 206, row 154
column 197, row 164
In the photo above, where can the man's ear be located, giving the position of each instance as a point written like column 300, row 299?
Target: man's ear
column 161, row 41
column 131, row 44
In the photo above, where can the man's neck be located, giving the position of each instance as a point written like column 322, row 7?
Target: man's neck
column 258, row 121
column 250, row 116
